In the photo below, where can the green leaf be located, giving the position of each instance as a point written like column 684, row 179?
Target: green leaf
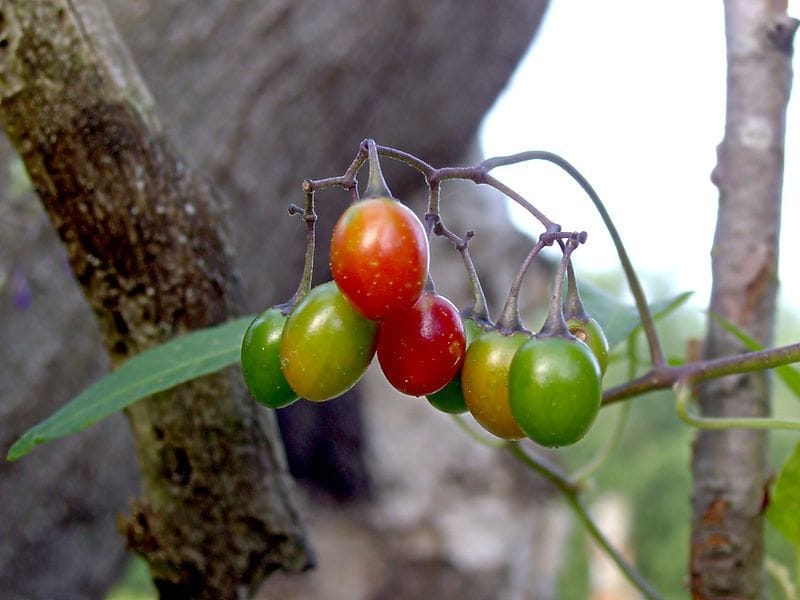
column 181, row 359
column 620, row 319
column 789, row 375
column 784, row 505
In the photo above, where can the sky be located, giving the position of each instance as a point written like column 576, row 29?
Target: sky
column 632, row 93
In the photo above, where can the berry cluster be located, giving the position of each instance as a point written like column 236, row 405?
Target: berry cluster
column 546, row 387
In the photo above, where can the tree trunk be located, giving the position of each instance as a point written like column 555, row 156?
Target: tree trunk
column 299, row 85
column 259, row 94
column 729, row 466
column 145, row 239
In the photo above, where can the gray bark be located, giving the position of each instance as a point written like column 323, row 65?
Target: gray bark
column 729, row 467
column 259, row 95
column 145, row 238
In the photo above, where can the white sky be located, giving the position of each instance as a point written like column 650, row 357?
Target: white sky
column 632, row 93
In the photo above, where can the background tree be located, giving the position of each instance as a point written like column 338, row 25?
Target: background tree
column 247, row 89
column 729, row 467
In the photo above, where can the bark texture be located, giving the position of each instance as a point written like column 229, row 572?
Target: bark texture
column 145, row 239
column 729, row 467
column 258, row 94
column 264, row 94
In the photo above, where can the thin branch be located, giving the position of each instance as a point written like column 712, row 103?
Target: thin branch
column 659, row 378
column 570, row 490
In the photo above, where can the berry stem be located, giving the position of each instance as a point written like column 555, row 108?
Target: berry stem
column 683, row 392
column 573, row 304
column 555, row 324
column 376, row 184
column 648, row 324
column 310, row 217
column 433, row 176
column 433, row 200
column 479, row 310
column 510, row 320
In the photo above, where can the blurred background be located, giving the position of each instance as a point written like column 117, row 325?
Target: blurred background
column 400, row 502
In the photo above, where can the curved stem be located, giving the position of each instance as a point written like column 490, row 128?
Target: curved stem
column 630, row 572
column 597, row 461
column 573, row 303
column 478, row 437
column 549, row 225
column 433, row 200
column 545, row 468
column 310, row 217
column 555, row 324
column 480, row 308
column 782, row 577
column 570, row 489
column 412, row 161
column 479, row 311
column 510, row 320
column 376, row 184
column 591, row 467
column 683, row 394
column 648, row 324
column 433, row 176
column 659, row 378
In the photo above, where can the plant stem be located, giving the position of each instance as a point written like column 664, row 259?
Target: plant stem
column 683, row 394
column 590, row 468
column 479, row 311
column 555, row 324
column 659, row 378
column 545, row 468
column 310, row 217
column 782, row 577
column 510, row 320
column 573, row 304
column 376, row 184
column 630, row 572
column 478, row 437
column 653, row 342
column 570, row 489
column 597, row 461
column 550, row 226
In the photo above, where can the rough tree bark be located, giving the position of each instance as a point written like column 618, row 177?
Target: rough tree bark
column 259, row 94
column 729, row 467
column 146, row 241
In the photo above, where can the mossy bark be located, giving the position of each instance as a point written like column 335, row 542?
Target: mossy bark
column 146, row 239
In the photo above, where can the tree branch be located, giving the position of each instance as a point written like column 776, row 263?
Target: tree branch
column 145, row 239
column 729, row 466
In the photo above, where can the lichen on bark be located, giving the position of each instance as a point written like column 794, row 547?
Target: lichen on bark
column 146, row 239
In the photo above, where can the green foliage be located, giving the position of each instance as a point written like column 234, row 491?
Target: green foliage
column 207, row 350
column 647, row 469
column 619, row 319
column 789, row 375
column 784, row 504
column 177, row 361
column 135, row 584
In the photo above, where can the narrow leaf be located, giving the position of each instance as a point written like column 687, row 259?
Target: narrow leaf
column 789, row 375
column 181, row 359
column 620, row 319
column 784, row 505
